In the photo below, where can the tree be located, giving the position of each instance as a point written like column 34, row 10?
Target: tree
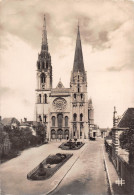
column 41, row 132
column 127, row 143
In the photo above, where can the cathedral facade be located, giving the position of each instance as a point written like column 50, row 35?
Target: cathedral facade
column 64, row 112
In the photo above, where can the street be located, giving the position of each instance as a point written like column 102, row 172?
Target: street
column 87, row 176
column 83, row 174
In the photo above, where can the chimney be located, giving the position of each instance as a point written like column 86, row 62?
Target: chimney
column 25, row 119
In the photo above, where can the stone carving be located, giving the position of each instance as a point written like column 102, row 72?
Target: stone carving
column 59, row 104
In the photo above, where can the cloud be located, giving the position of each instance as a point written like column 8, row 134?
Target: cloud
column 24, row 19
column 4, row 91
column 122, row 48
column 26, row 102
column 107, row 37
column 113, row 68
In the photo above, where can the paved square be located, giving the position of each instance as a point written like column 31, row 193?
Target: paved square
column 86, row 175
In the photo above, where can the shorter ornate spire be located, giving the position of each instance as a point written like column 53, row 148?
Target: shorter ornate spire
column 90, row 104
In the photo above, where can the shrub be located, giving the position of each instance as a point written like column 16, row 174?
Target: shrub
column 67, row 144
column 58, row 154
column 42, row 171
column 54, row 159
column 63, row 156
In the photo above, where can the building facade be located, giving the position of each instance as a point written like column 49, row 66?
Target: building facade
column 65, row 112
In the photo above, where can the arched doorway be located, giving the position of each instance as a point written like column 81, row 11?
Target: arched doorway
column 53, row 134
column 66, row 134
column 60, row 134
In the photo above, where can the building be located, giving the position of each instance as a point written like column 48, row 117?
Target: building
column 10, row 122
column 120, row 157
column 94, row 130
column 104, row 132
column 125, row 122
column 28, row 124
column 63, row 111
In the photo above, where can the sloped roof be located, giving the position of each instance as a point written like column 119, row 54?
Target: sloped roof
column 8, row 121
column 24, row 124
column 127, row 120
column 60, row 85
column 60, row 90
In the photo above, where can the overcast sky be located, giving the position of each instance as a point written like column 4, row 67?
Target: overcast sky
column 107, row 35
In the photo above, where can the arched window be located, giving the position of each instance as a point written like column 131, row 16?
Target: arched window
column 45, row 98
column 53, row 121
column 38, row 64
column 53, row 134
column 81, row 95
column 81, row 117
column 43, row 78
column 78, row 88
column 40, row 119
column 66, row 134
column 45, row 118
column 75, row 96
column 39, row 98
column 74, row 116
column 83, row 79
column 59, row 120
column 66, row 121
column 88, row 114
column 46, row 64
column 42, row 65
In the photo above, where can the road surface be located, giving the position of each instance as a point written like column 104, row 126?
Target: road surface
column 88, row 175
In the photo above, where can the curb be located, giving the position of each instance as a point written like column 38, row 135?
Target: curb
column 107, row 172
column 65, row 174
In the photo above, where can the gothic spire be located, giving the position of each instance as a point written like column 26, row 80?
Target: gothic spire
column 78, row 58
column 44, row 36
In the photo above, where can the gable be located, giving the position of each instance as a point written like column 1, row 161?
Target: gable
column 127, row 119
column 60, row 85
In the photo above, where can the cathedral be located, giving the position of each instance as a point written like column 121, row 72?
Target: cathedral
column 66, row 113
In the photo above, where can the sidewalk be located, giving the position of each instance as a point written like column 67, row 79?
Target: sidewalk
column 113, row 176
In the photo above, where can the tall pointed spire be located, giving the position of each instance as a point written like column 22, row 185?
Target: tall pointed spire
column 78, row 58
column 44, row 36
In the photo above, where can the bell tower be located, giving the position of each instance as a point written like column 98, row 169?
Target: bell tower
column 44, row 68
column 44, row 79
column 78, row 85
